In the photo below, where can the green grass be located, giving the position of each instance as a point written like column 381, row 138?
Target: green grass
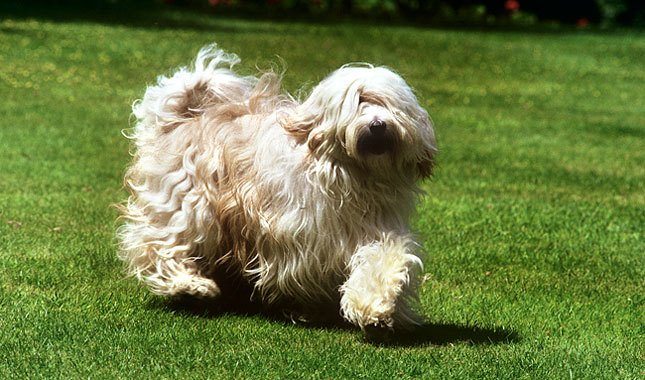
column 533, row 221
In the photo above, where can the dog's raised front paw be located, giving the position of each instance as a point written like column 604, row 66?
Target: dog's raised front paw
column 365, row 310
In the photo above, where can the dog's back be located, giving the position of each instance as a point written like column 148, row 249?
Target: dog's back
column 185, row 152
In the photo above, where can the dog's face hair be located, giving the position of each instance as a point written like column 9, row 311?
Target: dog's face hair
column 371, row 116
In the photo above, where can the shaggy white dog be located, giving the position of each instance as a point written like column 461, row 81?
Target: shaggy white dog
column 307, row 202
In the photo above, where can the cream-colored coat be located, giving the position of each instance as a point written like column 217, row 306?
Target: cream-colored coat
column 230, row 172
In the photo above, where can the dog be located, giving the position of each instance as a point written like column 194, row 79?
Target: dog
column 307, row 202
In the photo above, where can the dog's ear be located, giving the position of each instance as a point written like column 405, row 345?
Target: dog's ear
column 426, row 158
column 426, row 163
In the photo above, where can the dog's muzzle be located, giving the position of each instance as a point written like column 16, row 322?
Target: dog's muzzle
column 375, row 138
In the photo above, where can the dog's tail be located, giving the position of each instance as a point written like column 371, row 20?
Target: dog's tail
column 185, row 95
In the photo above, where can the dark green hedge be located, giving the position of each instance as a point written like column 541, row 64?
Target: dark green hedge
column 580, row 12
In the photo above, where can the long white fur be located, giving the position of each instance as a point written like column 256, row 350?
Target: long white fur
column 229, row 171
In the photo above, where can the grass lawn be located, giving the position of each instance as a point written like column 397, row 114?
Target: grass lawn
column 533, row 221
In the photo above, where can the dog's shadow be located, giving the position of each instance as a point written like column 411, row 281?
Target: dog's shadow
column 444, row 334
column 435, row 334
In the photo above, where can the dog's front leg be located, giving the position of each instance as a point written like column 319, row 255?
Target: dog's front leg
column 381, row 290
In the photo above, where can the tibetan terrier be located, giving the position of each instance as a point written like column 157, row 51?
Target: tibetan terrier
column 306, row 202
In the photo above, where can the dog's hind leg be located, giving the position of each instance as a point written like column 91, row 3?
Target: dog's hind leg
column 163, row 248
column 167, row 227
column 381, row 289
column 175, row 276
column 168, row 222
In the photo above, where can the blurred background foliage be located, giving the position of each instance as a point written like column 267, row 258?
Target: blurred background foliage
column 581, row 13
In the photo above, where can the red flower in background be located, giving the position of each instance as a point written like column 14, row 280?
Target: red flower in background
column 582, row 22
column 512, row 5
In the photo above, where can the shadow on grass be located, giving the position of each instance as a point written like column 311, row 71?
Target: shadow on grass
column 443, row 334
column 429, row 334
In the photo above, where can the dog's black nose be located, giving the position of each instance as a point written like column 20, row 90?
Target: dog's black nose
column 375, row 138
column 377, row 126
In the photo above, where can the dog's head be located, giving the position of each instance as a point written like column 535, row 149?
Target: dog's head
column 368, row 115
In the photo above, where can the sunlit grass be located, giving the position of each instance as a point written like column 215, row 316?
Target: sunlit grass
column 533, row 222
